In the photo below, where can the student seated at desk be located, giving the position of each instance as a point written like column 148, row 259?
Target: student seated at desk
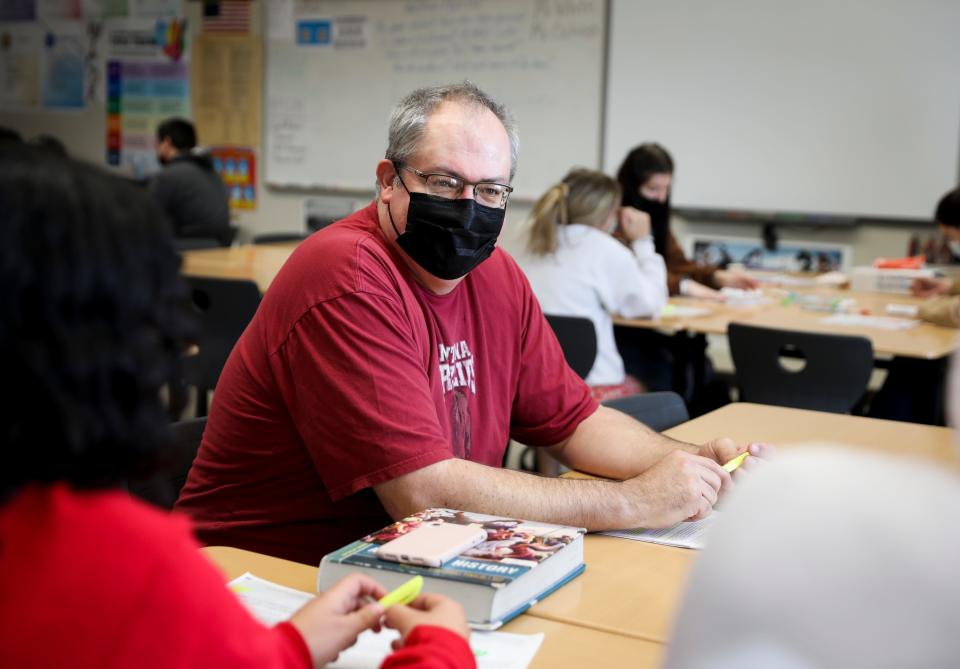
column 576, row 268
column 91, row 322
column 944, row 308
column 646, row 178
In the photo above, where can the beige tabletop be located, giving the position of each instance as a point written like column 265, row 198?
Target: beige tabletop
column 922, row 341
column 634, row 588
column 563, row 645
column 256, row 262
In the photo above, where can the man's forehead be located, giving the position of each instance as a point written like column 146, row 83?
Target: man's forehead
column 457, row 129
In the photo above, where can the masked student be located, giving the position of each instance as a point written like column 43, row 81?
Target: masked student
column 92, row 321
column 912, row 390
column 662, row 362
column 646, row 177
column 944, row 306
column 577, row 268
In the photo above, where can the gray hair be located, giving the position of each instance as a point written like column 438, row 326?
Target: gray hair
column 409, row 118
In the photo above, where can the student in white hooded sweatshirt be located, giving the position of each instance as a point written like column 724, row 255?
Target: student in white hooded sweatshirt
column 577, row 268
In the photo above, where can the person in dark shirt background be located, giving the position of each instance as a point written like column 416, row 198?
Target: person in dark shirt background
column 188, row 188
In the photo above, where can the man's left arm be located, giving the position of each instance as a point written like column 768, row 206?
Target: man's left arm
column 611, row 444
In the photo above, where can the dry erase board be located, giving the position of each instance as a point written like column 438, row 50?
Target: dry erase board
column 336, row 68
column 849, row 108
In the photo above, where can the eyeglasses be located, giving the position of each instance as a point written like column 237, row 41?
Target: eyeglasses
column 450, row 187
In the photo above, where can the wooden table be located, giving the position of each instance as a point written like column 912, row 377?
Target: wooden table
column 256, row 262
column 634, row 588
column 620, row 611
column 926, row 340
column 563, row 645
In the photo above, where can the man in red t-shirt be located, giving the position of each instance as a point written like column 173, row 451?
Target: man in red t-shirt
column 396, row 353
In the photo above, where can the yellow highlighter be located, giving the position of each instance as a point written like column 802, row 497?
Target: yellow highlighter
column 736, row 462
column 404, row 593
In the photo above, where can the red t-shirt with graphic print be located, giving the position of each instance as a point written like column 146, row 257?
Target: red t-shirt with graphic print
column 352, row 374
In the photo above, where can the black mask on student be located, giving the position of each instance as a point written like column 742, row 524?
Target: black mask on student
column 659, row 213
column 448, row 238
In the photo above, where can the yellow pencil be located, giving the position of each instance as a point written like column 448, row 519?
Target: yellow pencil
column 404, row 593
column 736, row 462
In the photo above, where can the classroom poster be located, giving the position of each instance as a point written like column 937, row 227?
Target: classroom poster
column 18, row 10
column 155, row 8
column 237, row 167
column 789, row 256
column 59, row 10
column 20, row 53
column 106, row 9
column 227, row 76
column 63, row 67
column 148, row 80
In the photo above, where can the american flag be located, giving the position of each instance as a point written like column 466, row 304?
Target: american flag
column 226, row 16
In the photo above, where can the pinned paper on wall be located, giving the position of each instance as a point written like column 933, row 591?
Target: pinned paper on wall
column 59, row 10
column 63, row 67
column 227, row 79
column 20, row 53
column 237, row 167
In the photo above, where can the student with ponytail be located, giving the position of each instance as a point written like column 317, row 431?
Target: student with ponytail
column 577, row 268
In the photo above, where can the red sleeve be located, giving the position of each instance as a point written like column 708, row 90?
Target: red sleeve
column 551, row 400
column 429, row 647
column 355, row 382
column 185, row 616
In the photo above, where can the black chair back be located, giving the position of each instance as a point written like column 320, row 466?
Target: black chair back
column 658, row 411
column 223, row 308
column 164, row 487
column 834, row 377
column 578, row 339
column 278, row 237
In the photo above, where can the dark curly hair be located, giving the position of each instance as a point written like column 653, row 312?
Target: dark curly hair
column 91, row 323
column 948, row 209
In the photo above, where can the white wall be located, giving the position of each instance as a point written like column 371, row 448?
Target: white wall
column 84, row 134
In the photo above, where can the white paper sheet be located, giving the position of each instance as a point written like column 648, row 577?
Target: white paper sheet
column 269, row 602
column 683, row 535
column 272, row 603
column 879, row 322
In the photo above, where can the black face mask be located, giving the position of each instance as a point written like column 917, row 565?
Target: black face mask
column 659, row 219
column 448, row 238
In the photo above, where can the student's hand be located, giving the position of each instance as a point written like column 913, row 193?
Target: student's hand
column 427, row 609
column 634, row 224
column 681, row 486
column 731, row 279
column 331, row 622
column 724, row 449
column 929, row 287
column 695, row 289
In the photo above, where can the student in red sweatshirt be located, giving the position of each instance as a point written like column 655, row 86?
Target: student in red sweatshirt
column 90, row 327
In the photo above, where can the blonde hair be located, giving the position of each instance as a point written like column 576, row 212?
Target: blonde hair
column 584, row 196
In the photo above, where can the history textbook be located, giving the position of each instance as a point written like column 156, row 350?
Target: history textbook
column 520, row 563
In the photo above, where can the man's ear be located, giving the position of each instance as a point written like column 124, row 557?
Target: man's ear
column 386, row 179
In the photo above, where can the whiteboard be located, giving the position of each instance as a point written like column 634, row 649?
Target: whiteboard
column 332, row 81
column 848, row 108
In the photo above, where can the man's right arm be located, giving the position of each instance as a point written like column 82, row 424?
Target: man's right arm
column 678, row 487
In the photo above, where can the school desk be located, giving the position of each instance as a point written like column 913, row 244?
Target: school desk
column 925, row 340
column 256, row 262
column 634, row 588
column 563, row 645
